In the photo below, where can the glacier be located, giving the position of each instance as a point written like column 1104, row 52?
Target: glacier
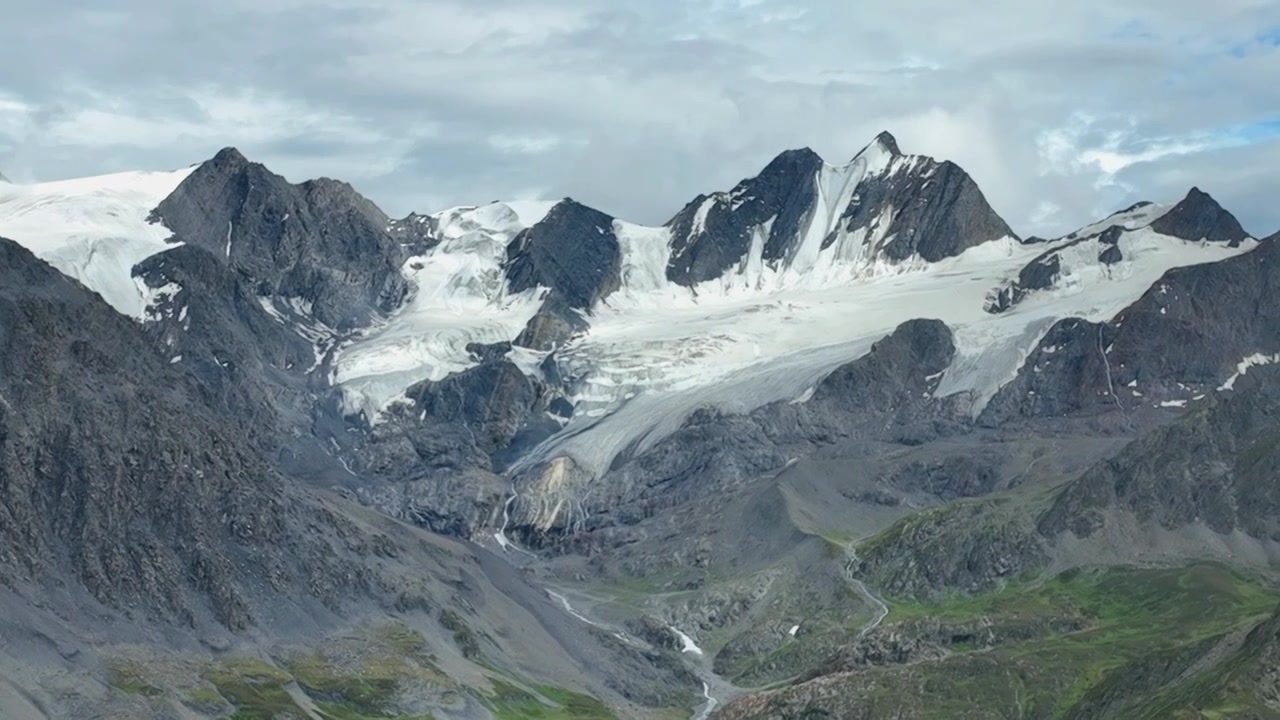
column 94, row 229
column 655, row 351
column 765, row 331
column 460, row 297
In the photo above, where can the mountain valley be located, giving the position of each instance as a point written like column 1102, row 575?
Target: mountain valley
column 834, row 443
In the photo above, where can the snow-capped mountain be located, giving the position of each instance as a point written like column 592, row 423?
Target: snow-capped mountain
column 800, row 214
column 718, row 406
column 570, row 335
column 93, row 229
column 753, row 295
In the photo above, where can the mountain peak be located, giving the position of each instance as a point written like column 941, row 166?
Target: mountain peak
column 229, row 157
column 794, row 158
column 263, row 224
column 1199, row 217
column 887, row 141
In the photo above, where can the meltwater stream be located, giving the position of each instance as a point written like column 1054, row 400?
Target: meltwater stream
column 716, row 690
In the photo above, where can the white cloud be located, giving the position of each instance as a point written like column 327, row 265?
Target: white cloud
column 637, row 107
column 524, row 144
column 1099, row 151
column 209, row 114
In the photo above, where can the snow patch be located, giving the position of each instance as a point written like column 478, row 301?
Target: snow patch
column 1134, row 219
column 154, row 298
column 1242, row 368
column 687, row 643
column 699, row 226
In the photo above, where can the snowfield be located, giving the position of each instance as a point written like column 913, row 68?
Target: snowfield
column 93, row 229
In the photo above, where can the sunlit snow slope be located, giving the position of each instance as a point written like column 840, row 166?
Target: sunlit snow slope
column 93, row 229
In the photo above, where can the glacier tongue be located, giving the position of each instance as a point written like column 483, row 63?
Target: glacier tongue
column 652, row 358
column 460, row 297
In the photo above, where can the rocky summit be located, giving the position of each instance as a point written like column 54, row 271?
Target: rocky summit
column 835, row 442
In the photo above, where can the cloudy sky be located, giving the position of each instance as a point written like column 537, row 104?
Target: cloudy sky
column 1061, row 111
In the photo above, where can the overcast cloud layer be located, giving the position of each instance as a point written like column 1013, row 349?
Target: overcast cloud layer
column 1062, row 112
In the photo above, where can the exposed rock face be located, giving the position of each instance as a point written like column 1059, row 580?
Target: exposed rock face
column 1039, row 274
column 965, row 548
column 208, row 312
column 1215, row 466
column 491, row 401
column 713, row 233
column 1185, row 337
column 939, row 212
column 320, row 242
column 1200, row 217
column 575, row 253
column 207, row 318
column 116, row 465
column 918, row 206
column 884, row 394
column 1068, row 373
column 435, row 456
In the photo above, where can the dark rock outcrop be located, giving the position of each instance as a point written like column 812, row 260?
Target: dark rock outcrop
column 1183, row 338
column 1216, row 466
column 491, row 401
column 574, row 252
column 886, row 393
column 118, row 468
column 937, row 211
column 207, row 318
column 320, row 241
column 1200, row 217
column 435, row 457
column 713, row 233
column 1039, row 274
